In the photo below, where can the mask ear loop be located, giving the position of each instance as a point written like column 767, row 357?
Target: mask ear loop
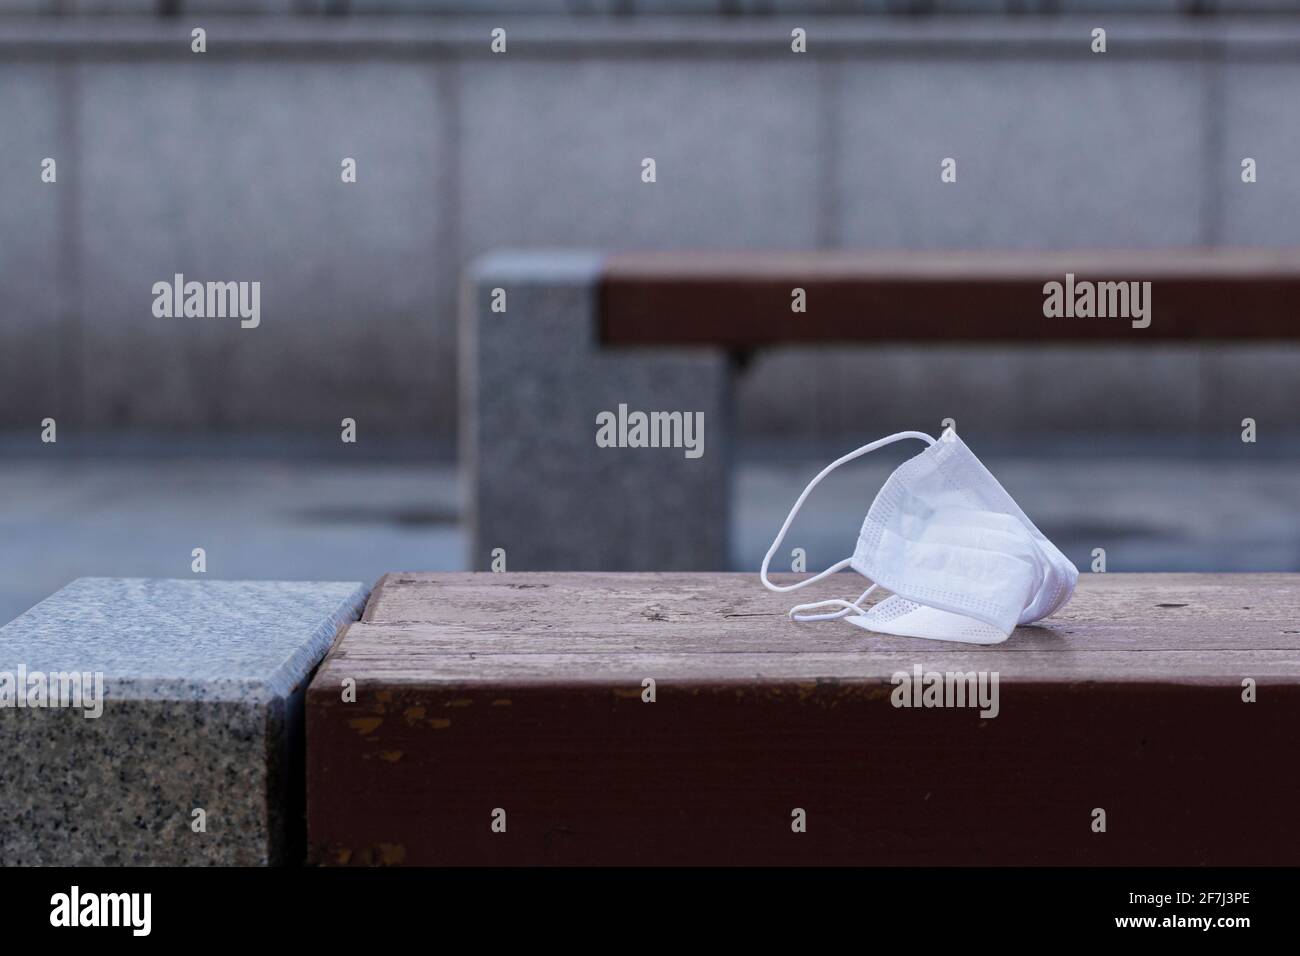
column 846, row 607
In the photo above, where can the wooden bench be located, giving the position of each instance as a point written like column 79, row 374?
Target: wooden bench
column 742, row 300
column 519, row 699
column 583, row 335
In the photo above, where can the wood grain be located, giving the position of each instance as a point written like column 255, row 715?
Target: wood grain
column 524, row 691
column 742, row 300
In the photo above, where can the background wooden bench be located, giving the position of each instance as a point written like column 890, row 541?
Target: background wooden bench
column 523, row 692
column 583, row 334
column 742, row 300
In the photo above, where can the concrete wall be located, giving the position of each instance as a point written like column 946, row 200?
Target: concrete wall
column 226, row 166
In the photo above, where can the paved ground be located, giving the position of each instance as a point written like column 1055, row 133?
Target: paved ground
column 303, row 518
column 299, row 520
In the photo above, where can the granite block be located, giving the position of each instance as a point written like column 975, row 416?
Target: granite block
column 193, row 700
column 535, row 382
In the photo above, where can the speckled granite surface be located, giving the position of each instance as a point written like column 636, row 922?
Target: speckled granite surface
column 203, row 684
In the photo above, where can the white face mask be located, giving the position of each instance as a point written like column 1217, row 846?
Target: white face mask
column 963, row 561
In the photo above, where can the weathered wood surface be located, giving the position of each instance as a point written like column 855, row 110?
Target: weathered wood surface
column 524, row 692
column 743, row 299
column 703, row 627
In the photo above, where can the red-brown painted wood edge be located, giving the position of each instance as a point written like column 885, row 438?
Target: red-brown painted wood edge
column 743, row 300
column 523, row 693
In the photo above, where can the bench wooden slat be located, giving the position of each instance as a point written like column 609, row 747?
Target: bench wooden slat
column 727, row 613
column 742, row 300
column 523, row 692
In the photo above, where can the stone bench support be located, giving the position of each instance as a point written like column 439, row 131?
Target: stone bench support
column 195, row 754
column 535, row 382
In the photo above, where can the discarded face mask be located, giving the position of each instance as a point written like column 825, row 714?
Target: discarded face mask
column 963, row 561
